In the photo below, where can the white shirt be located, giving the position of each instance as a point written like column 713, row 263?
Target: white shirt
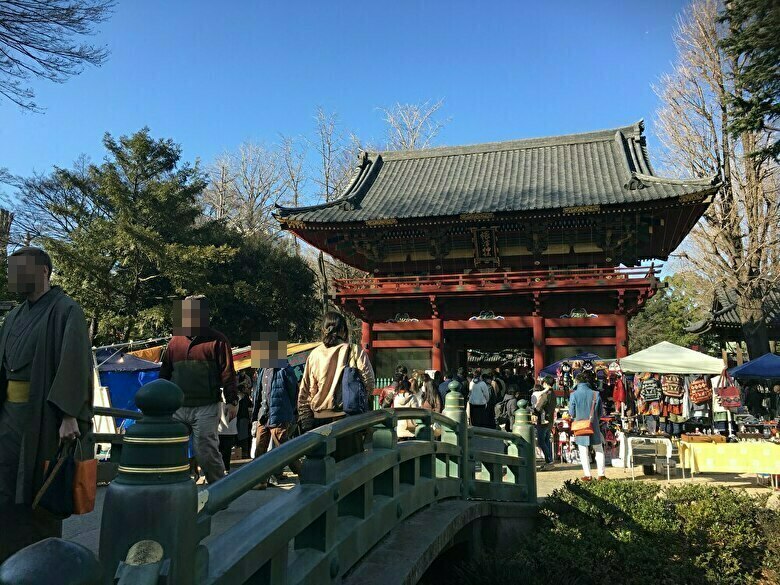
column 480, row 394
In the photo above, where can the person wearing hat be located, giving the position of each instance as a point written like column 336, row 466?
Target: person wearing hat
column 45, row 395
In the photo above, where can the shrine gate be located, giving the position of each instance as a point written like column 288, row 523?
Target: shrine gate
column 546, row 245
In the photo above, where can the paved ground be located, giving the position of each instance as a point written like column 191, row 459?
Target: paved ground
column 86, row 529
column 547, row 481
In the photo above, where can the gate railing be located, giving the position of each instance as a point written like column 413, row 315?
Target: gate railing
column 357, row 482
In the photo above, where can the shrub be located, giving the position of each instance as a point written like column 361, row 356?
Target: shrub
column 640, row 533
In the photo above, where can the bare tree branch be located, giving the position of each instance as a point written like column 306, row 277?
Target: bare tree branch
column 413, row 126
column 36, row 41
column 736, row 243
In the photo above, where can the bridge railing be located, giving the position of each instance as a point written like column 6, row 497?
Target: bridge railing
column 346, row 500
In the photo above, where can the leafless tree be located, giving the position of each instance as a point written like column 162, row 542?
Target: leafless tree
column 51, row 207
column 413, row 126
column 37, row 41
column 244, row 186
column 335, row 156
column 737, row 243
column 293, row 157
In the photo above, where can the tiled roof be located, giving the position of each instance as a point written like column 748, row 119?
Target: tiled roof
column 724, row 312
column 597, row 168
column 727, row 315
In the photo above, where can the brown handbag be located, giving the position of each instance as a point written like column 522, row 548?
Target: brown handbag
column 584, row 428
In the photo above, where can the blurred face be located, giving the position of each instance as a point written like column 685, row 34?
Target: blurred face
column 268, row 351
column 190, row 317
column 27, row 274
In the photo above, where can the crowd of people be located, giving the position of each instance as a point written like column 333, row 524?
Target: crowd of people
column 46, row 400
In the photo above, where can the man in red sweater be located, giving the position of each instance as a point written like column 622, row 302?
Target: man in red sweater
column 199, row 360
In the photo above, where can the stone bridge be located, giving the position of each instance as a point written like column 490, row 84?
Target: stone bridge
column 381, row 515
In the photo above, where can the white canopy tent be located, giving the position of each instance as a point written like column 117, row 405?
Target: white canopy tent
column 668, row 358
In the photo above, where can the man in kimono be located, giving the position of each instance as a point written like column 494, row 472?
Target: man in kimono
column 45, row 395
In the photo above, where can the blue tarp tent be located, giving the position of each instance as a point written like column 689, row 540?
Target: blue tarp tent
column 123, row 374
column 766, row 367
column 552, row 369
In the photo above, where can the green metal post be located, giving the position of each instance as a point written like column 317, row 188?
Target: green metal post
column 455, row 408
column 153, row 496
column 526, row 432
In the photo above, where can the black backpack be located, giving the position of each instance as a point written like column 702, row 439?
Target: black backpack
column 501, row 412
column 354, row 396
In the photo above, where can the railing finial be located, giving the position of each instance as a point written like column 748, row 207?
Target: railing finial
column 153, row 487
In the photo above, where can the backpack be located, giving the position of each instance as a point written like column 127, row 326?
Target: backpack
column 501, row 412
column 650, row 390
column 700, row 391
column 672, row 386
column 354, row 397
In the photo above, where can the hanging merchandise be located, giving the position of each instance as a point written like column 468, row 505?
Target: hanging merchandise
column 671, row 385
column 619, row 390
column 728, row 394
column 565, row 377
column 602, row 372
column 650, row 390
column 700, row 391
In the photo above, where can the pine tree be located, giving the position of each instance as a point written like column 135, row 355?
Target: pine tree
column 753, row 42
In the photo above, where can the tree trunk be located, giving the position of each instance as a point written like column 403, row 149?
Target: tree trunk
column 751, row 314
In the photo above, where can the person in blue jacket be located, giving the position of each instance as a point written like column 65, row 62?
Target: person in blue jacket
column 585, row 403
column 275, row 397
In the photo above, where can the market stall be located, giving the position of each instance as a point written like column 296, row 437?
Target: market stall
column 122, row 375
column 760, row 383
column 668, row 358
column 668, row 389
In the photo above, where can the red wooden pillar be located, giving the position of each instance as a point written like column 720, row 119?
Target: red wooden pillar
column 365, row 340
column 437, row 342
column 621, row 336
column 539, row 344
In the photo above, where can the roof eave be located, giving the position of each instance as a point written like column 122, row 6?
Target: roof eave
column 702, row 196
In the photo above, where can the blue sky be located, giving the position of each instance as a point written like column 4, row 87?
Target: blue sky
column 212, row 74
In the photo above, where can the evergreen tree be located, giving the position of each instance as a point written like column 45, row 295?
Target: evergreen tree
column 753, row 42
column 669, row 312
column 265, row 286
column 124, row 235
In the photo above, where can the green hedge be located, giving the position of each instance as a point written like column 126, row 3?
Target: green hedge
column 640, row 533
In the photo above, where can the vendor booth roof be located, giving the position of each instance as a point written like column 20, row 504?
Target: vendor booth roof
column 668, row 358
column 242, row 357
column 766, row 367
column 552, row 369
column 110, row 360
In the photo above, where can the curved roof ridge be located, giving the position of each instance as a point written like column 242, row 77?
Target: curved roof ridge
column 367, row 165
column 592, row 169
column 633, row 131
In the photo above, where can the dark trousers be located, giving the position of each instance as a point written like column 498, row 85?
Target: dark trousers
column 543, row 434
column 246, row 447
column 479, row 416
column 20, row 525
column 226, row 444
